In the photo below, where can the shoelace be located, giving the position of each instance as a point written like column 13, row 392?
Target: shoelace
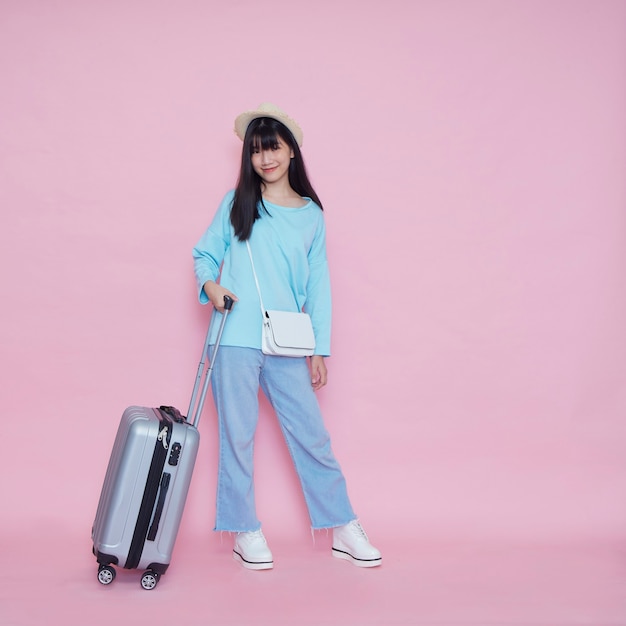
column 255, row 534
column 357, row 529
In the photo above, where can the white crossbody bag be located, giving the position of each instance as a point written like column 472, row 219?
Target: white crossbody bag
column 285, row 333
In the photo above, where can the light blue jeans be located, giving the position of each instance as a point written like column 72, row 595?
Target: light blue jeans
column 286, row 382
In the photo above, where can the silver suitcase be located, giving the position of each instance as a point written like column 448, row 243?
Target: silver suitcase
column 147, row 481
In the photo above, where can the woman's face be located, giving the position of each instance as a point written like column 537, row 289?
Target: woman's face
column 272, row 165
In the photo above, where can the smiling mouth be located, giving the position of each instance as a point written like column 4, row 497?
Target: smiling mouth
column 267, row 170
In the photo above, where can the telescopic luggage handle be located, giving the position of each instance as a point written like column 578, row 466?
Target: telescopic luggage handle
column 195, row 410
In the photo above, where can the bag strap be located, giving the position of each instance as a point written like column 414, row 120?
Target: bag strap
column 256, row 280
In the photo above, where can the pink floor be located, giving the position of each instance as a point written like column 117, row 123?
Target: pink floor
column 49, row 575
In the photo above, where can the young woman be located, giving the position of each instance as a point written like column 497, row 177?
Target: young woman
column 275, row 211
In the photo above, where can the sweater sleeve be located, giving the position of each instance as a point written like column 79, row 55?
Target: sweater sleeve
column 208, row 254
column 318, row 302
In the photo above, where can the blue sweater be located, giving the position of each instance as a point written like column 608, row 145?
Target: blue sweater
column 289, row 251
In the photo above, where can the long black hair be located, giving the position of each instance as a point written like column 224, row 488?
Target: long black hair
column 263, row 134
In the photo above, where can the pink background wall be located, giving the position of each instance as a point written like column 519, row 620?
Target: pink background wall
column 471, row 157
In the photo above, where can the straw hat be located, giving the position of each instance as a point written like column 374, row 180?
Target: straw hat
column 267, row 109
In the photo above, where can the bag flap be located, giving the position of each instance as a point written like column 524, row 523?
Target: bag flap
column 291, row 330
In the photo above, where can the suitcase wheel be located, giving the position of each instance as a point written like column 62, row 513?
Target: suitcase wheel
column 106, row 574
column 149, row 580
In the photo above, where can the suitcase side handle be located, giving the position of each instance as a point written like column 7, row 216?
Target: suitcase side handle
column 195, row 409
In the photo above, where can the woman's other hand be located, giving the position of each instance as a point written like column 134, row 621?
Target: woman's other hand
column 319, row 373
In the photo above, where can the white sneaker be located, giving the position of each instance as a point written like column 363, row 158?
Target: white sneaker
column 252, row 551
column 351, row 543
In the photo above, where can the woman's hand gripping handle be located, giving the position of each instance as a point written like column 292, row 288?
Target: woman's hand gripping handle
column 217, row 295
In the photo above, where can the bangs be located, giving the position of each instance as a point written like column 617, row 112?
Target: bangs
column 264, row 139
column 266, row 133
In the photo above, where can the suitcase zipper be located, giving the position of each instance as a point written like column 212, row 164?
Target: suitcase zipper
column 151, row 490
column 163, row 437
